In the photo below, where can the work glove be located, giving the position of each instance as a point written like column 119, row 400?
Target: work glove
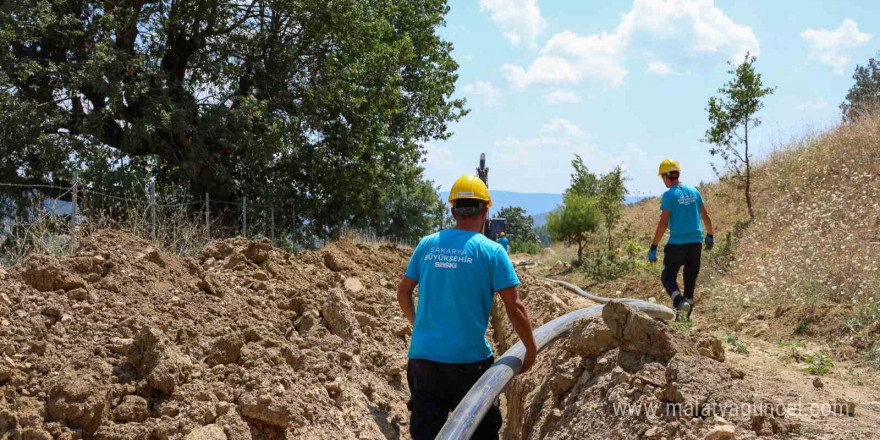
column 710, row 242
column 652, row 254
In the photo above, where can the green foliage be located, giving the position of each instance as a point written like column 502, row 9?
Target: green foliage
column 543, row 235
column 316, row 108
column 589, row 201
column 818, row 363
column 574, row 221
column 525, row 247
column 681, row 326
column 519, row 228
column 801, row 327
column 864, row 97
column 612, row 191
column 724, row 253
column 872, row 355
column 406, row 211
column 604, row 265
column 735, row 344
column 731, row 117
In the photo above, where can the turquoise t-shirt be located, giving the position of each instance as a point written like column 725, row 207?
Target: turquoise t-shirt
column 458, row 272
column 505, row 243
column 683, row 202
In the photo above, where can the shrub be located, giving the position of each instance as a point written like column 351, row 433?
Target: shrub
column 818, row 363
column 525, row 247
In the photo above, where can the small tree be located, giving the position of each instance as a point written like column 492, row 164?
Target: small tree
column 519, row 227
column 864, row 96
column 609, row 201
column 442, row 216
column 732, row 116
column 574, row 222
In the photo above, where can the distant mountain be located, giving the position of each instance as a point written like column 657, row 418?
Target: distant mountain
column 533, row 203
column 537, row 205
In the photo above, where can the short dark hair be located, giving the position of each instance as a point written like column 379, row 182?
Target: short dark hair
column 468, row 207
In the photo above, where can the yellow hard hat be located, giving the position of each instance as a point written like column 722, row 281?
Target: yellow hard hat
column 668, row 165
column 502, row 234
column 469, row 186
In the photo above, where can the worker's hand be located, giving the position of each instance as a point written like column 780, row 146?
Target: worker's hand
column 710, row 242
column 528, row 361
column 652, row 254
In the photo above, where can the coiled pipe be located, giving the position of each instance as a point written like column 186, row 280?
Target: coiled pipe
column 474, row 406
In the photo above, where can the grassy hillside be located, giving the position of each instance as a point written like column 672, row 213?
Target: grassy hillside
column 808, row 264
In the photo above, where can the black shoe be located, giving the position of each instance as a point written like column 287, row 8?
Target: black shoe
column 683, row 312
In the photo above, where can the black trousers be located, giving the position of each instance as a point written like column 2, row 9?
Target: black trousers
column 674, row 257
column 436, row 389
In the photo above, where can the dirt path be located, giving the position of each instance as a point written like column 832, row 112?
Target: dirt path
column 771, row 370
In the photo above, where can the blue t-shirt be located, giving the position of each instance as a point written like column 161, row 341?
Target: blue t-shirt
column 683, row 202
column 458, row 272
column 505, row 243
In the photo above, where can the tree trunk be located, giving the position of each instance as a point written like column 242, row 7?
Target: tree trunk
column 580, row 252
column 748, row 161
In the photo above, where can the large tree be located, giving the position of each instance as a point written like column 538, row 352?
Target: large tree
column 732, row 117
column 316, row 104
column 519, row 226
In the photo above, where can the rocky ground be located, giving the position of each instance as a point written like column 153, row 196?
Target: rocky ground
column 123, row 341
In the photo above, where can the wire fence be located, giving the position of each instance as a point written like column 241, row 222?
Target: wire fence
column 178, row 223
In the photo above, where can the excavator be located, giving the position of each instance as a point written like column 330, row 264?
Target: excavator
column 493, row 226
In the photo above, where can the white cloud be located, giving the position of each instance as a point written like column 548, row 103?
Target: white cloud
column 485, row 90
column 569, row 58
column 543, row 70
column 518, row 20
column 541, row 163
column 832, row 47
column 813, row 105
column 561, row 97
column 659, row 68
column 564, row 126
column 439, row 155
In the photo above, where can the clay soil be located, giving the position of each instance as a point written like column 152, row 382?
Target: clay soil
column 123, row 341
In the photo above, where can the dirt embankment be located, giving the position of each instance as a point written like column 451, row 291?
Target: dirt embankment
column 592, row 383
column 123, row 341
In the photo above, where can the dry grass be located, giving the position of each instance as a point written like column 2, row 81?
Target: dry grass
column 815, row 240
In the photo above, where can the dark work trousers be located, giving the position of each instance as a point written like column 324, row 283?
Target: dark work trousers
column 436, row 388
column 674, row 257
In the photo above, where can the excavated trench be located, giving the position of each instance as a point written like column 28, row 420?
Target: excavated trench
column 122, row 341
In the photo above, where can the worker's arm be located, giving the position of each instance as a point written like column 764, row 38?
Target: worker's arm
column 704, row 214
column 516, row 312
column 405, row 298
column 661, row 227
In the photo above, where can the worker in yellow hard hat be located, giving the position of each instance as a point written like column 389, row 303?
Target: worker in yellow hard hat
column 457, row 270
column 681, row 211
column 504, row 241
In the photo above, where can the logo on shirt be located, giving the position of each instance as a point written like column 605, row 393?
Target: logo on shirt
column 687, row 200
column 448, row 258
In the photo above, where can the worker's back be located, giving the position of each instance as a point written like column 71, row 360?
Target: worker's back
column 683, row 202
column 458, row 272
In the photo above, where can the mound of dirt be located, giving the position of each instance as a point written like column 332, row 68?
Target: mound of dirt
column 625, row 375
column 123, row 341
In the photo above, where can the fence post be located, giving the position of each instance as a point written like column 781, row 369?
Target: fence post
column 73, row 198
column 153, row 210
column 208, row 215
column 244, row 217
column 272, row 213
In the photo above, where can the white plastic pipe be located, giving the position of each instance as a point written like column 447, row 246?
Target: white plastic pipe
column 474, row 406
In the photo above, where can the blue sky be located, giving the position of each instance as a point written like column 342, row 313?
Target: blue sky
column 626, row 82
